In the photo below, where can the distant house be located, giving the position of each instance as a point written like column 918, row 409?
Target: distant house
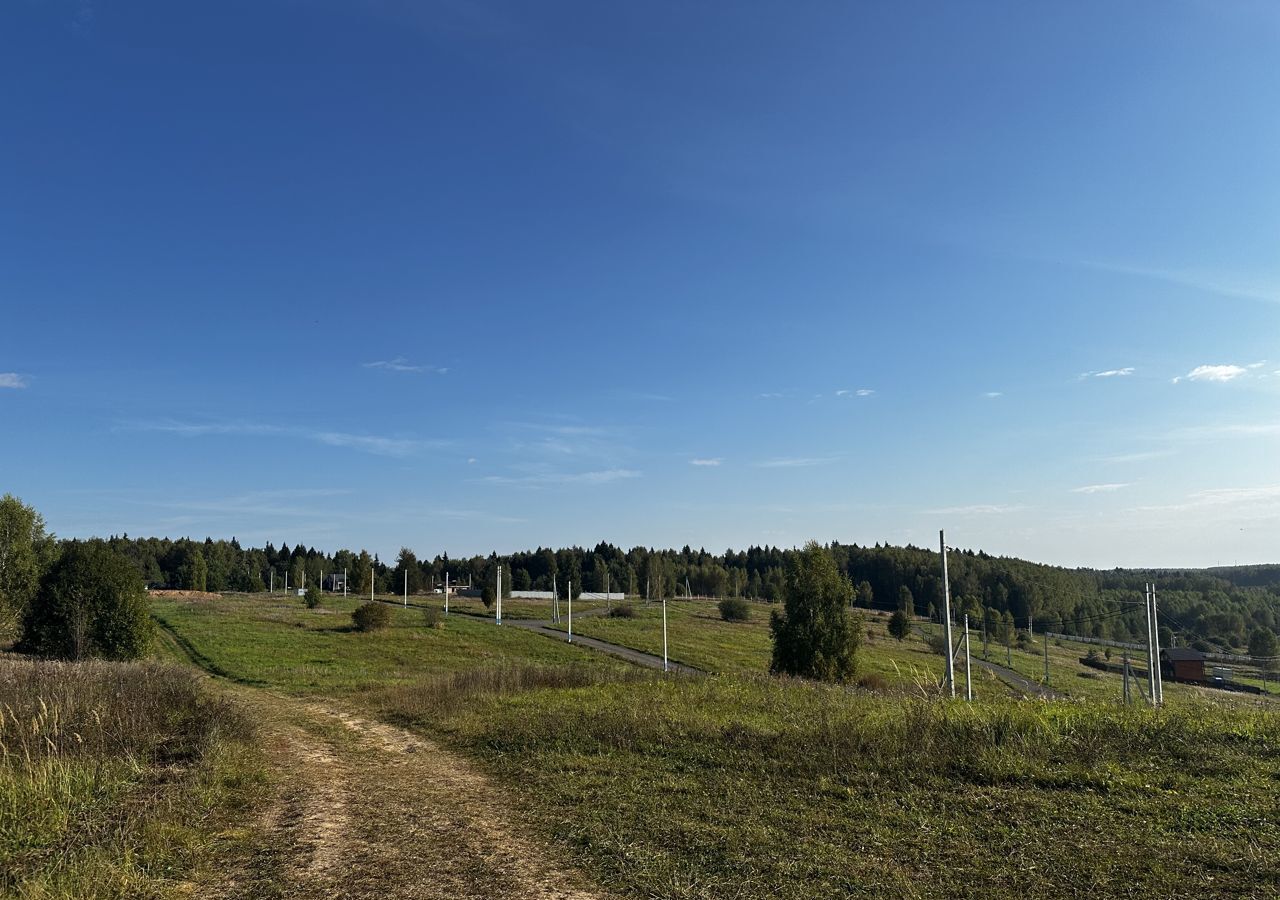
column 336, row 582
column 1182, row 664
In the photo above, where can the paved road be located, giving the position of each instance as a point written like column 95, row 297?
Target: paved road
column 543, row 627
column 1007, row 675
column 635, row 656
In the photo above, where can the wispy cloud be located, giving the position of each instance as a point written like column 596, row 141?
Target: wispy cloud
column 1219, row 373
column 375, row 444
column 1109, row 373
column 1109, row 488
column 977, row 509
column 1139, row 456
column 796, row 462
column 1224, row 284
column 12, row 380
column 542, row 479
column 1262, row 501
column 860, row 392
column 706, row 462
column 771, row 395
column 991, row 395
column 1227, row 430
column 400, row 364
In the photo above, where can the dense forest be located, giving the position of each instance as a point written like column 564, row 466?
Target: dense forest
column 1215, row 609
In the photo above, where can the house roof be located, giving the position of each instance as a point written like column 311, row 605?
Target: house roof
column 1181, row 654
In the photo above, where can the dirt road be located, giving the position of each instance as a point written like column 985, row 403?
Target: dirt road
column 361, row 809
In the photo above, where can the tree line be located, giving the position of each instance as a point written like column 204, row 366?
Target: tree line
column 1215, row 609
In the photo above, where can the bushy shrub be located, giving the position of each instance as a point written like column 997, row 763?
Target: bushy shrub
column 623, row 611
column 1026, row 641
column 312, row 598
column 433, row 617
column 487, row 596
column 735, row 609
column 371, row 616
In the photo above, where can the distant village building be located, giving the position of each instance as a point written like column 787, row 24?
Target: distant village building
column 335, row 582
column 1182, row 664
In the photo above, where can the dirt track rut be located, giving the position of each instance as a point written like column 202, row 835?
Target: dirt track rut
column 365, row 810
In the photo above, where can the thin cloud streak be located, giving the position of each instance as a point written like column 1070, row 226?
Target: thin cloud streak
column 400, row 364
column 374, row 444
column 1109, row 488
column 706, row 462
column 796, row 462
column 977, row 509
column 543, row 479
column 12, row 380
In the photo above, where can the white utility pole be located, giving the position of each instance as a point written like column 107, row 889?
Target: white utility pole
column 968, row 674
column 371, row 580
column 946, row 617
column 344, row 582
column 273, row 581
column 607, row 605
column 570, row 610
column 446, row 593
column 1151, row 650
column 664, row 634
column 498, row 608
column 286, row 582
column 406, row 588
column 555, row 599
column 1155, row 633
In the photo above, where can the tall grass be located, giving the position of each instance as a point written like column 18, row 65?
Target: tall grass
column 107, row 771
column 432, row 699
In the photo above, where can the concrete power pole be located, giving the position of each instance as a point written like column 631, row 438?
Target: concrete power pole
column 498, row 600
column 446, row 593
column 1155, row 637
column 968, row 672
column 1151, row 649
column 664, row 634
column 406, row 588
column 946, row 617
column 570, row 610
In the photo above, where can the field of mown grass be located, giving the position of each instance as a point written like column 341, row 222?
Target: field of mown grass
column 699, row 637
column 266, row 641
column 115, row 778
column 751, row 787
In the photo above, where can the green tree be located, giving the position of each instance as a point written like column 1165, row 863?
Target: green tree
column 900, row 624
column 815, row 636
column 865, row 595
column 905, row 601
column 1262, row 644
column 91, row 602
column 194, row 574
column 407, row 565
column 25, row 552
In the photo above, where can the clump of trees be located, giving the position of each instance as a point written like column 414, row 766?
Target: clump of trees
column 91, row 602
column 816, row 636
column 734, row 609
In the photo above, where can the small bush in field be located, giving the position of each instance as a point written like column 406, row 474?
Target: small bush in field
column 937, row 643
column 371, row 616
column 873, row 681
column 623, row 611
column 900, row 624
column 433, row 617
column 312, row 599
column 734, row 609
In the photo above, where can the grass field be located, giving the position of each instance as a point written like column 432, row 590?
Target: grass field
column 746, row 786
column 276, row 642
column 115, row 778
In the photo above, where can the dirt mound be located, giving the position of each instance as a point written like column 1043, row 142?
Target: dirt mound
column 186, row 595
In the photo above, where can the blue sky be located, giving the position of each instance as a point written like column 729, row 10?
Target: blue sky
column 468, row 276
